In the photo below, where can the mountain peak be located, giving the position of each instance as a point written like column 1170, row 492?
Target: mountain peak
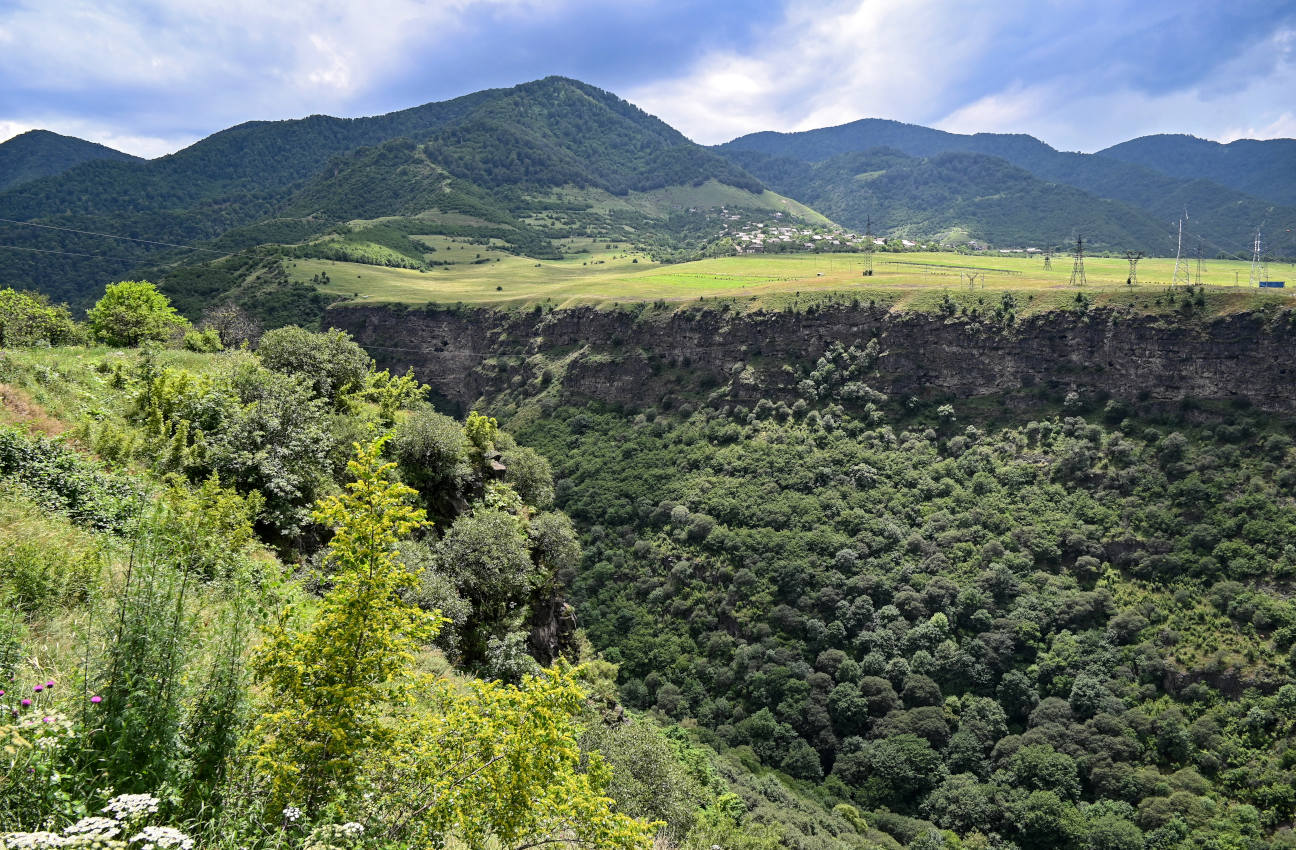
column 43, row 153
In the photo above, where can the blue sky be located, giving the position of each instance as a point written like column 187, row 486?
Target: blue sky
column 150, row 77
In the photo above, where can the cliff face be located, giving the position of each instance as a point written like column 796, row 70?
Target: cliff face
column 637, row 357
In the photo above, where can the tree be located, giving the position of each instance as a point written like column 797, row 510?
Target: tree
column 331, row 362
column 27, row 318
column 499, row 765
column 133, row 312
column 326, row 682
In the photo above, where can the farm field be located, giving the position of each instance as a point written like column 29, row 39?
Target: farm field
column 599, row 275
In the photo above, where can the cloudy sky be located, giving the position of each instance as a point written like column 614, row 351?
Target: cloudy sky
column 151, row 76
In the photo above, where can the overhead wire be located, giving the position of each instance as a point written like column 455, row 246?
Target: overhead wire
column 111, row 236
column 69, row 253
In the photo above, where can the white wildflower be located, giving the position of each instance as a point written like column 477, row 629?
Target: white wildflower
column 126, row 807
column 352, row 829
column 161, row 838
column 104, row 827
column 292, row 814
column 30, row 840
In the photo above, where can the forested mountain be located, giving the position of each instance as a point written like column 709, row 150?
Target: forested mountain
column 40, row 153
column 955, row 197
column 1261, row 168
column 1224, row 217
column 552, row 132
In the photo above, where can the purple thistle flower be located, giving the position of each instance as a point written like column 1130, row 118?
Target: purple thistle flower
column 47, row 719
column 49, row 684
column 38, row 688
column 96, row 699
column 26, row 703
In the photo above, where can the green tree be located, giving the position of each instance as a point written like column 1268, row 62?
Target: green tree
column 330, row 362
column 326, row 681
column 132, row 312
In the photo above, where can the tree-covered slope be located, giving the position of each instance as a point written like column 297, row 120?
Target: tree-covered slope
column 956, row 197
column 1073, row 631
column 1224, row 217
column 1261, row 168
column 40, row 153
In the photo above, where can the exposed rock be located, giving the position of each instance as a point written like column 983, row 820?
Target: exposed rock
column 635, row 356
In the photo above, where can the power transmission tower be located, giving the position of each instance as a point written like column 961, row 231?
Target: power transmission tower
column 972, row 279
column 1077, row 265
column 868, row 248
column 1048, row 259
column 1133, row 257
column 1187, row 278
column 1255, row 261
column 1199, row 261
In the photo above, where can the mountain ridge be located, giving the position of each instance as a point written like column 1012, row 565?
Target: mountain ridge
column 1224, row 216
column 43, row 153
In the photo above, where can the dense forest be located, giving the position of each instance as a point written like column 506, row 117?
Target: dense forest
column 1075, row 631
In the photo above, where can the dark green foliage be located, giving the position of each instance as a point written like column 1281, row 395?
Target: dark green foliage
column 330, row 362
column 1016, row 631
column 62, row 480
column 1261, row 168
column 277, row 182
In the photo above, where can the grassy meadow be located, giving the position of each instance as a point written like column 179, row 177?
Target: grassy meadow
column 597, row 274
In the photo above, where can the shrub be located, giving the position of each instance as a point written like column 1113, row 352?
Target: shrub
column 133, row 312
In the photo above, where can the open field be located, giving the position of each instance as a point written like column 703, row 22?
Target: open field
column 599, row 275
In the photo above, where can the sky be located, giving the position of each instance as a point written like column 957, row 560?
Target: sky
column 152, row 76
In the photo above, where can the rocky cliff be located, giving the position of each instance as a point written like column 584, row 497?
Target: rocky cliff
column 642, row 355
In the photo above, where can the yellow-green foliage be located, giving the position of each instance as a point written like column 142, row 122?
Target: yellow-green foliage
column 45, row 562
column 487, row 760
column 326, row 681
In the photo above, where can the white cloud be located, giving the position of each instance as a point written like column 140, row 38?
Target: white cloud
column 938, row 63
column 1071, row 118
column 824, row 64
column 238, row 59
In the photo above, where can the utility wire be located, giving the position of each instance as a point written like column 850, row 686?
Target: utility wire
column 111, row 236
column 69, row 253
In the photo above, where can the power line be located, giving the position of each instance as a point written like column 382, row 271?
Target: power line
column 70, row 253
column 111, row 236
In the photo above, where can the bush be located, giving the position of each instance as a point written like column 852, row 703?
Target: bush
column 330, row 362
column 133, row 312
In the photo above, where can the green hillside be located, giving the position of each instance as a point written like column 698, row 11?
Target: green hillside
column 550, row 133
column 1261, row 168
column 955, row 197
column 1225, row 218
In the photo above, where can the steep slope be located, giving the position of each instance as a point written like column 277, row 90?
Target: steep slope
column 955, row 196
column 1225, row 218
column 548, row 133
column 40, row 153
column 1265, row 169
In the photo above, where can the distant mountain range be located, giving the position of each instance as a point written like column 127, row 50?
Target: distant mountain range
column 1132, row 175
column 538, row 162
